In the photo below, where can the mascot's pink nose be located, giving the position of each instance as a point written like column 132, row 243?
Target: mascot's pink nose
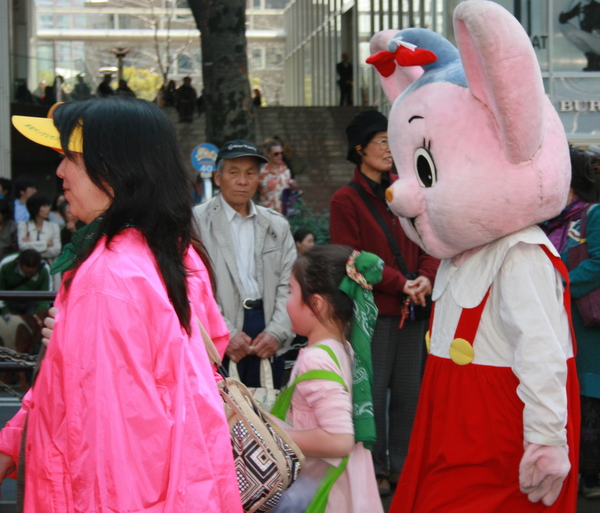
column 389, row 194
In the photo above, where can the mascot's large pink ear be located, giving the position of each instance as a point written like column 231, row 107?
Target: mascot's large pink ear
column 398, row 81
column 497, row 55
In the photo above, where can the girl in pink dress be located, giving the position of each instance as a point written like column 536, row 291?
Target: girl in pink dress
column 330, row 292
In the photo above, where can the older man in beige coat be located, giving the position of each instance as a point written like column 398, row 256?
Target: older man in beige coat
column 252, row 251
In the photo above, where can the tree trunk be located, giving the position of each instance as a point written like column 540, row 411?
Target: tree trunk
column 222, row 25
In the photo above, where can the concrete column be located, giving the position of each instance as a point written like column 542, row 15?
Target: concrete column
column 5, row 88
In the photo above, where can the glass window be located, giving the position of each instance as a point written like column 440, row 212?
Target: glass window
column 274, row 58
column 45, row 59
column 45, row 21
column 63, row 21
column 184, row 62
column 256, row 59
column 275, row 4
column 308, row 79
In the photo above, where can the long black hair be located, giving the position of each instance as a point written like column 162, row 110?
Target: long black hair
column 130, row 151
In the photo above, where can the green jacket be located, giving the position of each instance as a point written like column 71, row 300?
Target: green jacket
column 11, row 278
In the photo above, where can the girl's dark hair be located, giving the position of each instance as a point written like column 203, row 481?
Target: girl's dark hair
column 585, row 174
column 301, row 233
column 35, row 202
column 130, row 151
column 320, row 271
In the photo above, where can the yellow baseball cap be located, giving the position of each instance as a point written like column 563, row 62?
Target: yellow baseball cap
column 42, row 131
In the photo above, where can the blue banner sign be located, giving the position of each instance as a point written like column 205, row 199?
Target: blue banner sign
column 203, row 159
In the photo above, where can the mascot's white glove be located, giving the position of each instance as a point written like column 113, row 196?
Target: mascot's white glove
column 542, row 471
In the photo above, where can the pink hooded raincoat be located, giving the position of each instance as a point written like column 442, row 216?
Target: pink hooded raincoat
column 125, row 415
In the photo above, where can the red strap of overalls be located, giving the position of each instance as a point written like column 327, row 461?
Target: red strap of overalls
column 471, row 317
column 560, row 266
column 468, row 322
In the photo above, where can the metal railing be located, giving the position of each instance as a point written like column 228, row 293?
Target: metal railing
column 12, row 360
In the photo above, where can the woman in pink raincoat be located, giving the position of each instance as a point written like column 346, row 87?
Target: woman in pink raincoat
column 125, row 414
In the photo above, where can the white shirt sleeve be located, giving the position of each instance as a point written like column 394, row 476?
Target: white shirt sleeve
column 535, row 324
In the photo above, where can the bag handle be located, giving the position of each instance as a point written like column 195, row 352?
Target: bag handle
column 266, row 373
column 319, row 502
column 284, row 400
column 211, row 350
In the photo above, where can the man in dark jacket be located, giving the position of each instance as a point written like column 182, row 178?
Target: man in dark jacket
column 185, row 98
column 344, row 71
column 104, row 89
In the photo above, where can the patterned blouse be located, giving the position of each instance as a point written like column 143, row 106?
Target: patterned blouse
column 272, row 183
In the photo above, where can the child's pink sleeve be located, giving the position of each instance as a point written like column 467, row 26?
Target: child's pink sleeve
column 329, row 401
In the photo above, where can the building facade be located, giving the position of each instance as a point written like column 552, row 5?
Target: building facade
column 293, row 47
column 564, row 33
column 80, row 37
column 318, row 33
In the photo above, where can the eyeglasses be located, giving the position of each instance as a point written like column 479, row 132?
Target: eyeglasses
column 383, row 143
column 277, row 153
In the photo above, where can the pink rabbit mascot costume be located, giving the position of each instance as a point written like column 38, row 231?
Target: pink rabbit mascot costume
column 482, row 157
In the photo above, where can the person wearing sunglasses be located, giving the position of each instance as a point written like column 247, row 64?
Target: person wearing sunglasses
column 275, row 177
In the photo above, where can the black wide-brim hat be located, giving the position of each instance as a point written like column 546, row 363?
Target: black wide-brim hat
column 362, row 126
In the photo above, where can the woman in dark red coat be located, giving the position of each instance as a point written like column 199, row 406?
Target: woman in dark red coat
column 398, row 353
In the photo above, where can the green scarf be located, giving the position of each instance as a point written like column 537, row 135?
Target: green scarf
column 80, row 241
column 364, row 269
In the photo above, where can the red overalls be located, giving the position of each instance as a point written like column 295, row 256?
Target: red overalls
column 467, row 439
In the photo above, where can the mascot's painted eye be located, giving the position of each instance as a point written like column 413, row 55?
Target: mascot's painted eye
column 425, row 168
